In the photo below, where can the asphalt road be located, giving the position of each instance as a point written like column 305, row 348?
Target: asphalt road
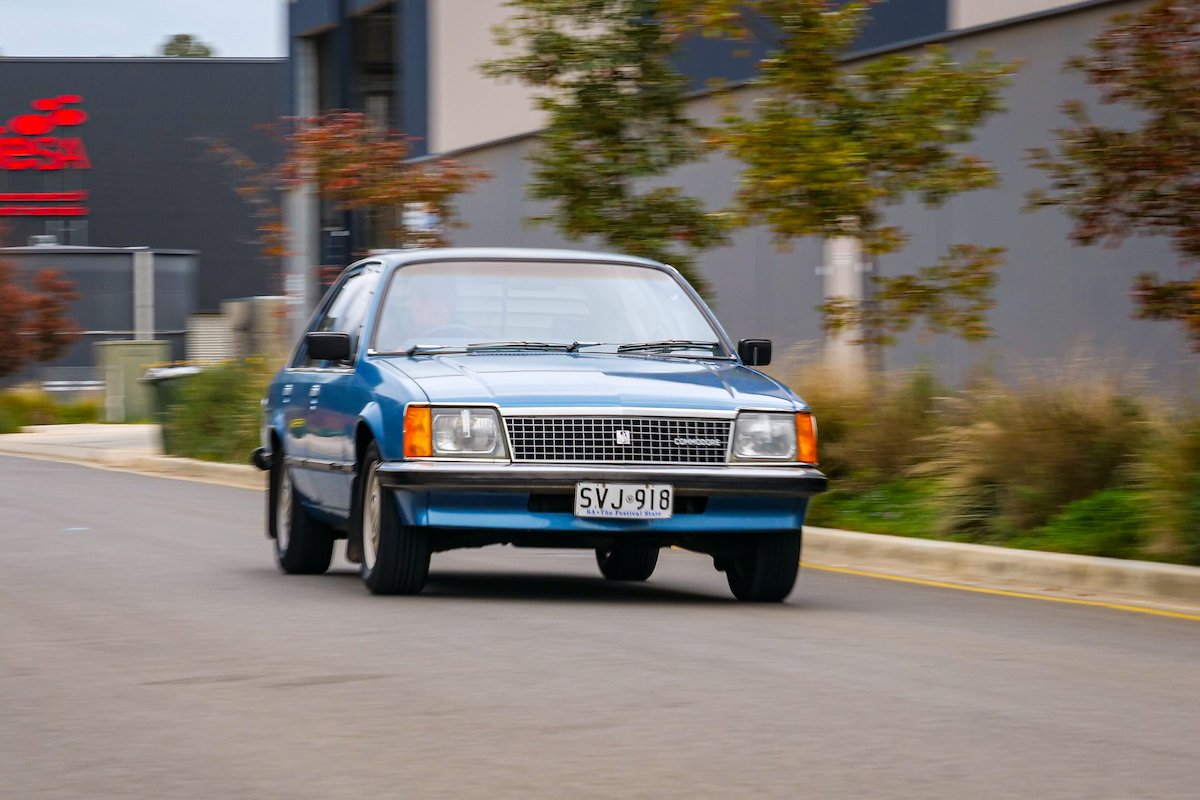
column 149, row 649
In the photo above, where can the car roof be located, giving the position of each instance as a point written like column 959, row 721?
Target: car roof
column 413, row 255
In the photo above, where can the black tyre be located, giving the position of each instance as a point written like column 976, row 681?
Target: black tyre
column 303, row 546
column 628, row 561
column 764, row 568
column 395, row 557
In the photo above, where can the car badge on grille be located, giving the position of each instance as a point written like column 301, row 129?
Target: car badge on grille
column 689, row 441
column 623, row 437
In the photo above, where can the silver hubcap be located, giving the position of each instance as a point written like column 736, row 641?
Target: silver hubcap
column 283, row 510
column 372, row 520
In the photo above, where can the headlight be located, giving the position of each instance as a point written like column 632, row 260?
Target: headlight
column 453, row 432
column 764, row 437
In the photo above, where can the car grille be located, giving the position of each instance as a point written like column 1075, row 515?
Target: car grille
column 647, row 440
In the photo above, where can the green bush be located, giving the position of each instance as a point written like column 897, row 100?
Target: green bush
column 9, row 421
column 1169, row 474
column 21, row 407
column 1109, row 523
column 900, row 508
column 217, row 414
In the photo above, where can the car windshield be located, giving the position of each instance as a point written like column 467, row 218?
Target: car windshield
column 542, row 306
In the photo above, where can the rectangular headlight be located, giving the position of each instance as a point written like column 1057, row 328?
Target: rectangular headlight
column 472, row 432
column 763, row 436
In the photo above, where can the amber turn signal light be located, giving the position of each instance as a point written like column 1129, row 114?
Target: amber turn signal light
column 806, row 438
column 418, row 432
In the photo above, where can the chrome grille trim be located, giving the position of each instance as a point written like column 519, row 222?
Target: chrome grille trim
column 594, row 439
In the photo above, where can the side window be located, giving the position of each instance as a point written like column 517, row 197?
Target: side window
column 347, row 311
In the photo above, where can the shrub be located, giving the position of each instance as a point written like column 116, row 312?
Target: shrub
column 1169, row 475
column 217, row 413
column 899, row 508
column 1109, row 523
column 1011, row 460
column 872, row 434
column 9, row 421
column 21, row 407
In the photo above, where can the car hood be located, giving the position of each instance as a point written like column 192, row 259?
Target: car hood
column 545, row 380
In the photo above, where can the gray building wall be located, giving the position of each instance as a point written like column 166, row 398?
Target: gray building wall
column 104, row 280
column 1053, row 300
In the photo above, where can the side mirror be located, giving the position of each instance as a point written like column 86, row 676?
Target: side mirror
column 327, row 346
column 755, row 352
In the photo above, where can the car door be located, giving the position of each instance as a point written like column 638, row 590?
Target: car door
column 318, row 409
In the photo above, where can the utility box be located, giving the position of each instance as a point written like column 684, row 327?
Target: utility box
column 122, row 363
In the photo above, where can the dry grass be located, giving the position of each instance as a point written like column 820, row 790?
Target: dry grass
column 1013, row 458
column 870, row 435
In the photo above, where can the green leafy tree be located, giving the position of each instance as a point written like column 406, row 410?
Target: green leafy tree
column 184, row 45
column 1114, row 182
column 617, row 124
column 827, row 147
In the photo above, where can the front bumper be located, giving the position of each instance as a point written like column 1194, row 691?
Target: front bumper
column 743, row 481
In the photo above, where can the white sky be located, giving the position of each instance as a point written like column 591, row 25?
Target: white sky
column 237, row 28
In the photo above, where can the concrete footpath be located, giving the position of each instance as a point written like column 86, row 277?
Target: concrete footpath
column 137, row 448
column 134, row 448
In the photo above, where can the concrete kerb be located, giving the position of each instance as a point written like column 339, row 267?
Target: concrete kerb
column 926, row 559
column 1079, row 576
column 237, row 475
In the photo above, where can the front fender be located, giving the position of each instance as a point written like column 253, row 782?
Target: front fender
column 272, row 423
column 385, row 424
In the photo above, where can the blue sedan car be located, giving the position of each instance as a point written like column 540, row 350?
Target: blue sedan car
column 459, row 397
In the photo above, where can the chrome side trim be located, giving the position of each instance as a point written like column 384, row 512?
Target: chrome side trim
column 320, row 464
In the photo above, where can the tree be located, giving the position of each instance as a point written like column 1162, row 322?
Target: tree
column 259, row 186
column 362, row 168
column 828, row 147
column 617, row 123
column 37, row 316
column 184, row 45
column 1113, row 182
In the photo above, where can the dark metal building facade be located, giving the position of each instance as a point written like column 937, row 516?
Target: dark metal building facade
column 115, row 152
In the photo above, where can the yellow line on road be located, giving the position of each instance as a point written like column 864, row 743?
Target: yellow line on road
column 1004, row 592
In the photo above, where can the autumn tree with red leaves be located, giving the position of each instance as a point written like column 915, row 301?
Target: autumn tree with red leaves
column 363, row 168
column 37, row 315
column 356, row 166
column 1114, row 182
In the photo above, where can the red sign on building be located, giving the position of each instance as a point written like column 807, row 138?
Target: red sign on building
column 41, row 141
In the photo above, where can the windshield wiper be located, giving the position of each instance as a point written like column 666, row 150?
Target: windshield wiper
column 419, row 349
column 573, row 347
column 484, row 346
column 667, row 345
column 478, row 347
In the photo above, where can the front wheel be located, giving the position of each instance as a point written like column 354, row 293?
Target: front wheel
column 303, row 546
column 628, row 561
column 395, row 556
column 763, row 570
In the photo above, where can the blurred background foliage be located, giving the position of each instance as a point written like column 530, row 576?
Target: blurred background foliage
column 21, row 407
column 1072, row 460
column 216, row 414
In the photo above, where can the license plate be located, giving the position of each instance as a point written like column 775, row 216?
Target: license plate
column 624, row 500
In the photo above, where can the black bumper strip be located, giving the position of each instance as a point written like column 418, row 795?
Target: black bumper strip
column 731, row 480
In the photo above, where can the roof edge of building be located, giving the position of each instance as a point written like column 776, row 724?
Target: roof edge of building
column 907, row 44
